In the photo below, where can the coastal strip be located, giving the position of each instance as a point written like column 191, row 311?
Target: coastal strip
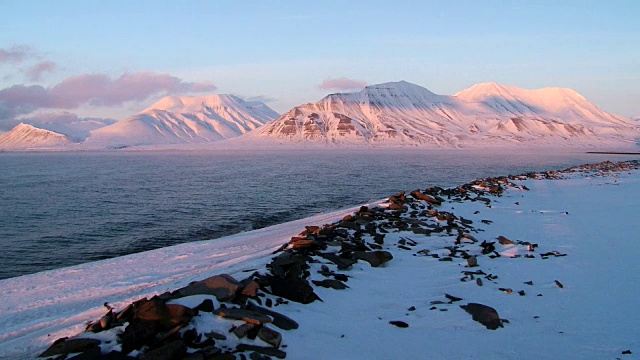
column 435, row 270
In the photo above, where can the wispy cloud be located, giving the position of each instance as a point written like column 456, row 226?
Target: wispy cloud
column 94, row 90
column 16, row 54
column 35, row 72
column 261, row 98
column 342, row 83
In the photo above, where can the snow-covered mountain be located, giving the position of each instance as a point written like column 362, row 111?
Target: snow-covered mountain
column 25, row 136
column 401, row 113
column 185, row 119
column 636, row 119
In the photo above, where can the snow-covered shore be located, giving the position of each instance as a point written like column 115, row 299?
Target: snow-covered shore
column 581, row 305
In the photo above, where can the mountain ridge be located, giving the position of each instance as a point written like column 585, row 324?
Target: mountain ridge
column 185, row 119
column 401, row 113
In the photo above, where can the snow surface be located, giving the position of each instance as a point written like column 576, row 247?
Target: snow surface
column 590, row 218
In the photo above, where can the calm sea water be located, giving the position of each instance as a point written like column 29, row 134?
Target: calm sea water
column 62, row 209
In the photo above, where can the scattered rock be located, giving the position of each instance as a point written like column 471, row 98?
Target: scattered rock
column 398, row 323
column 472, row 261
column 559, row 284
column 330, row 283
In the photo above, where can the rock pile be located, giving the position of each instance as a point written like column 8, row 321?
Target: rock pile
column 224, row 318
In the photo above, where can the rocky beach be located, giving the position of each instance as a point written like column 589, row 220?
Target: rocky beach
column 536, row 265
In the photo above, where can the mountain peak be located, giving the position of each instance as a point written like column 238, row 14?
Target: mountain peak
column 25, row 136
column 193, row 103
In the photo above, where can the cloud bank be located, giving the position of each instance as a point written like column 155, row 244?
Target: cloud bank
column 342, row 83
column 94, row 90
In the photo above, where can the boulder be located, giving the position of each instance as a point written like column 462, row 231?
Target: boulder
column 484, row 314
column 223, row 287
column 292, row 288
column 242, row 330
column 270, row 336
column 375, row 258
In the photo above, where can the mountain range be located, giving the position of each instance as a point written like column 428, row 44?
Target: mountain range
column 406, row 114
column 388, row 114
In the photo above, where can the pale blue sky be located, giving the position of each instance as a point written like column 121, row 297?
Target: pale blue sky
column 283, row 50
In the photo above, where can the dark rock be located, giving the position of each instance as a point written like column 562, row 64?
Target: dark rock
column 379, row 239
column 342, row 262
column 452, row 298
column 215, row 335
column 504, row 241
column 205, row 306
column 270, row 336
column 330, row 283
column 294, row 289
column 242, row 330
column 626, row 352
column 412, row 308
column 559, row 284
column 250, row 289
column 91, row 354
column 279, row 320
column 483, row 314
column 375, row 258
column 137, row 334
column 472, row 261
column 262, row 350
column 398, row 323
column 248, row 316
column 170, row 351
column 479, row 281
column 223, row 287
column 65, row 346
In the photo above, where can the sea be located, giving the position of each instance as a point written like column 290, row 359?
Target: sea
column 59, row 209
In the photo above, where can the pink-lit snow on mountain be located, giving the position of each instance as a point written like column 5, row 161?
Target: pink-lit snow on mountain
column 25, row 136
column 401, row 113
column 185, row 119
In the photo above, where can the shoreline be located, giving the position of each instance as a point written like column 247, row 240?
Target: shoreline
column 397, row 250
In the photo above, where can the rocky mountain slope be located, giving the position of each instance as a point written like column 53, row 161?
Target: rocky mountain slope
column 25, row 136
column 401, row 113
column 184, row 119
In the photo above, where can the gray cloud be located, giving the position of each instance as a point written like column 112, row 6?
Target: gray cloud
column 35, row 72
column 94, row 90
column 16, row 54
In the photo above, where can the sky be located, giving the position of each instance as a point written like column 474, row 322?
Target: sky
column 114, row 58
